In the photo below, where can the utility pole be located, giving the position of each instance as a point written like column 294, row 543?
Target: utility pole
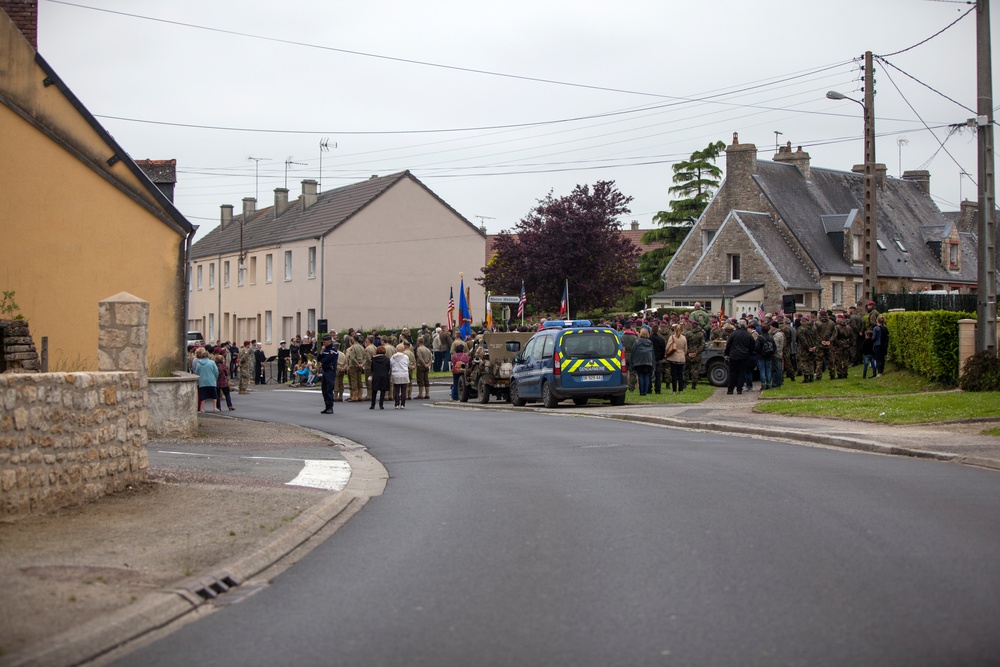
column 986, row 292
column 869, row 239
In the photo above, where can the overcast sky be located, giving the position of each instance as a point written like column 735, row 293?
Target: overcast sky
column 493, row 105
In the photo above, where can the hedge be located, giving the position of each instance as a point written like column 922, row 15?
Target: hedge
column 926, row 342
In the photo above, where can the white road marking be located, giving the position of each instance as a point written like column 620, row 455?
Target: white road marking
column 331, row 475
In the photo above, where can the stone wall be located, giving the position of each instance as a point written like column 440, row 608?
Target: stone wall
column 17, row 348
column 172, row 406
column 69, row 438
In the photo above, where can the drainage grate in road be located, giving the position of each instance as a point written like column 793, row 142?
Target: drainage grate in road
column 210, row 587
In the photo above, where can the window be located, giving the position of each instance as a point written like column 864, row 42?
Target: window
column 241, row 274
column 953, row 255
column 838, row 293
column 858, row 291
column 225, row 274
column 311, row 319
column 267, row 326
column 881, row 245
column 312, row 262
column 899, row 244
column 253, row 270
column 199, row 276
column 288, row 268
column 707, row 235
column 211, row 326
column 856, row 247
column 734, row 268
column 211, row 276
column 268, row 268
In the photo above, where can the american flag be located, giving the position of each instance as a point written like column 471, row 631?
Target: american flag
column 520, row 304
column 760, row 312
column 451, row 308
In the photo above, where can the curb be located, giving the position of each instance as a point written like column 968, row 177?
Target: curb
column 160, row 608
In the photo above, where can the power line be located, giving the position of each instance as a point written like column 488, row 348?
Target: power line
column 896, row 53
column 886, row 62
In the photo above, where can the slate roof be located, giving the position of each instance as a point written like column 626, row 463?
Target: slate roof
column 331, row 209
column 776, row 250
column 903, row 208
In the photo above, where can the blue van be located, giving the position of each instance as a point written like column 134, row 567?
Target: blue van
column 570, row 359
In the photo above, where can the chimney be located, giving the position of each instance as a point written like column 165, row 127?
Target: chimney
column 227, row 215
column 163, row 174
column 921, row 177
column 280, row 201
column 249, row 208
column 741, row 161
column 24, row 15
column 635, row 225
column 308, row 193
column 799, row 158
column 880, row 172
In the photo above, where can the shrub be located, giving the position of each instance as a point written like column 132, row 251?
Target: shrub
column 980, row 373
column 926, row 342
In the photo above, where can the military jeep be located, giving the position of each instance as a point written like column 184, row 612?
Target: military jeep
column 490, row 364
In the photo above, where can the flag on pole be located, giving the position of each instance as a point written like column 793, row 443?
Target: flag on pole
column 564, row 304
column 520, row 304
column 760, row 312
column 464, row 314
column 451, row 308
column 489, row 312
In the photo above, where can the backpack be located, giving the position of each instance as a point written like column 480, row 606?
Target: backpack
column 768, row 347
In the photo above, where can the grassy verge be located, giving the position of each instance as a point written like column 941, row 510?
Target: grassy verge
column 903, row 409
column 696, row 395
column 895, row 381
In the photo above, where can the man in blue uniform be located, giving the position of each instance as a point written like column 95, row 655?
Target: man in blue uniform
column 328, row 363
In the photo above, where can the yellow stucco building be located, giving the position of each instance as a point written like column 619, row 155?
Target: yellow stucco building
column 79, row 220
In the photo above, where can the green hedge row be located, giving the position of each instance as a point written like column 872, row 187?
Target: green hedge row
column 926, row 342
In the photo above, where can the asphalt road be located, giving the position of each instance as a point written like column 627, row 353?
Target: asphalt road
column 543, row 538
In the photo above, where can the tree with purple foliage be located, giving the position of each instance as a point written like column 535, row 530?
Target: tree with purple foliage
column 575, row 237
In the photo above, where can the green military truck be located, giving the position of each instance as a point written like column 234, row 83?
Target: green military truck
column 490, row 364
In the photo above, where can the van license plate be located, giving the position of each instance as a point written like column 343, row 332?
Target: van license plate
column 592, row 378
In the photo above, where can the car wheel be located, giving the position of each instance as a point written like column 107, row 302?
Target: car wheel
column 463, row 390
column 618, row 400
column 484, row 391
column 580, row 400
column 515, row 397
column 718, row 374
column 548, row 400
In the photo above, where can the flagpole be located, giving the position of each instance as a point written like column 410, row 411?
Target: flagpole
column 568, row 316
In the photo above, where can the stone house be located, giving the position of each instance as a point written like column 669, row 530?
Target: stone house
column 784, row 227
column 79, row 219
column 384, row 251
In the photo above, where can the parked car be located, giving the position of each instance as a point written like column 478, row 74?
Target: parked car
column 195, row 338
column 570, row 359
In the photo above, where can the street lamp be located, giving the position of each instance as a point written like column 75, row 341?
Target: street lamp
column 869, row 260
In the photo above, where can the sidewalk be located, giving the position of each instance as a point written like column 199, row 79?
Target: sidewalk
column 959, row 442
column 84, row 580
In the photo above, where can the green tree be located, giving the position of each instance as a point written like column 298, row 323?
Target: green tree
column 575, row 237
column 695, row 181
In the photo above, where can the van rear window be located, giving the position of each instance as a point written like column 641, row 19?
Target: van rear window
column 590, row 345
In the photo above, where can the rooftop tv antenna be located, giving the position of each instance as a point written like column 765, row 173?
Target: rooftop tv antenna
column 324, row 147
column 289, row 162
column 256, row 174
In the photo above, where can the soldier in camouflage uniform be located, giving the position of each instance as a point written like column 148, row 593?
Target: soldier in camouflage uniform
column 370, row 352
column 692, row 364
column 842, row 346
column 789, row 355
column 246, row 362
column 338, row 385
column 808, row 342
column 355, row 368
column 826, row 329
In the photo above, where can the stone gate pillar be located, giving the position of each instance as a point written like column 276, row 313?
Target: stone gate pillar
column 966, row 342
column 122, row 339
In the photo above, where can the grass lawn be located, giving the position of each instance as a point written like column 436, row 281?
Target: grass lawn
column 696, row 395
column 896, row 381
column 904, row 409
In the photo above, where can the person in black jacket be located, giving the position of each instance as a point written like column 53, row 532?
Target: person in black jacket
column 284, row 354
column 380, row 377
column 328, row 365
column 659, row 350
column 739, row 348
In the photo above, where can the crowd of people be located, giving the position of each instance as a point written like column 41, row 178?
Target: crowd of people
column 367, row 365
